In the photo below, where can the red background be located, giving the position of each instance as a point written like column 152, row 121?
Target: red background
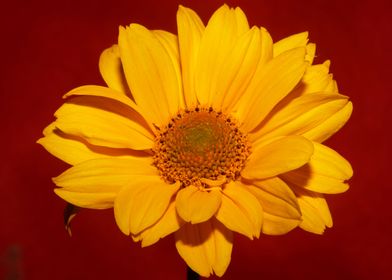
column 49, row 47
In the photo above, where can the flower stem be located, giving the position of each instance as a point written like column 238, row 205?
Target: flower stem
column 191, row 275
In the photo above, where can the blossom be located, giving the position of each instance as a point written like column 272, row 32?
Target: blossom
column 212, row 131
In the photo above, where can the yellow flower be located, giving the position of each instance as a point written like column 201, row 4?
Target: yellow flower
column 201, row 134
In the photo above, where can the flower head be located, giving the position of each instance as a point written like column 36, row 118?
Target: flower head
column 212, row 131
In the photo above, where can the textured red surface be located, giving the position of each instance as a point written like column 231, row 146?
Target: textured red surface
column 49, row 47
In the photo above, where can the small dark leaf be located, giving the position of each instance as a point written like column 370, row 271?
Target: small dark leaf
column 70, row 212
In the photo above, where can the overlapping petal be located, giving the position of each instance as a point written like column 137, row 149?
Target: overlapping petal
column 170, row 222
column 237, row 69
column 298, row 116
column 220, row 36
column 331, row 125
column 196, row 206
column 279, row 156
column 74, row 150
column 240, row 211
column 279, row 203
column 315, row 212
column 290, row 42
column 142, row 203
column 276, row 79
column 151, row 73
column 190, row 31
column 326, row 172
column 315, row 79
column 101, row 200
column 65, row 148
column 105, row 174
column 205, row 247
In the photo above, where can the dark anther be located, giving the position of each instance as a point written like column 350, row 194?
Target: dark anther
column 197, row 109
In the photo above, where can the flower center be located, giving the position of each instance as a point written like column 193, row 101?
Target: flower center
column 200, row 146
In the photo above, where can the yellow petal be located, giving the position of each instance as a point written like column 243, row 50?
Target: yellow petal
column 280, row 156
column 220, row 35
column 331, row 125
column 316, row 79
column 332, row 87
column 315, row 211
column 190, row 30
column 310, row 52
column 291, row 42
column 99, row 91
column 109, row 97
column 102, row 200
column 277, row 78
column 169, row 223
column 142, row 203
column 223, row 245
column 74, row 150
column 102, row 127
column 170, row 43
column 240, row 211
column 260, row 46
column 205, row 247
column 112, row 70
column 105, row 174
column 277, row 225
column 278, row 200
column 237, row 69
column 326, row 172
column 151, row 73
column 195, row 205
column 67, row 149
column 298, row 116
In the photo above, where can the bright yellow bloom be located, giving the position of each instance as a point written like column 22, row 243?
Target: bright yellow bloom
column 201, row 134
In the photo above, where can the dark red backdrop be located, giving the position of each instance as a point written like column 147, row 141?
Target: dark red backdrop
column 49, row 47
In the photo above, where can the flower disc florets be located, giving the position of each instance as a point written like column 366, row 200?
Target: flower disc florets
column 200, row 144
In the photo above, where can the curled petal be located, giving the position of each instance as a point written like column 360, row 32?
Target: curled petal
column 105, row 174
column 112, row 70
column 102, row 126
